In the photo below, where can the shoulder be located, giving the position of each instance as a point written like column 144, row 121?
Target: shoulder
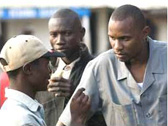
column 102, row 60
column 158, row 51
column 15, row 114
column 104, row 57
column 159, row 47
column 158, row 44
column 11, row 107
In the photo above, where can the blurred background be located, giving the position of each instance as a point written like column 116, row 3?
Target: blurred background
column 31, row 17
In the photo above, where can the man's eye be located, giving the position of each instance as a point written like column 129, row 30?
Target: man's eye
column 67, row 33
column 53, row 34
column 126, row 38
column 112, row 38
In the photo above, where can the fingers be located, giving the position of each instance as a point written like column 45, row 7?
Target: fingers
column 81, row 98
column 60, row 86
column 60, row 91
column 79, row 107
column 78, row 93
column 62, row 94
column 58, row 79
column 85, row 99
column 88, row 103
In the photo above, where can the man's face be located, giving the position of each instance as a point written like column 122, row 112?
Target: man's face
column 41, row 74
column 65, row 35
column 125, row 39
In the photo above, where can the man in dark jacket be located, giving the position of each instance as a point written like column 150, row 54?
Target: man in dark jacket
column 66, row 34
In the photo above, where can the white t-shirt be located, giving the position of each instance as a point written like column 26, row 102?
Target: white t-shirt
column 140, row 85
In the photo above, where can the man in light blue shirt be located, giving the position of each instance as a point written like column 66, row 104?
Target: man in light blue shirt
column 22, row 110
column 128, row 82
column 26, row 61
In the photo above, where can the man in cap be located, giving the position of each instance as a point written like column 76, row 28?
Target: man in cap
column 26, row 61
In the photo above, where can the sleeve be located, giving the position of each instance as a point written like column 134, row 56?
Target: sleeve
column 88, row 82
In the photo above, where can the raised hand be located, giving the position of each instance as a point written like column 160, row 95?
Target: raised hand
column 60, row 86
column 79, row 107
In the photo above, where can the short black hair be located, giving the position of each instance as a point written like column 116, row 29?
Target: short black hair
column 66, row 12
column 126, row 11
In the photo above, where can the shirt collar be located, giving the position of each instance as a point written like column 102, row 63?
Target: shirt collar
column 32, row 104
column 155, row 59
column 68, row 66
column 154, row 64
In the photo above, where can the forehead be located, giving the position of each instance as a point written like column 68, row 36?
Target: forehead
column 62, row 23
column 126, row 25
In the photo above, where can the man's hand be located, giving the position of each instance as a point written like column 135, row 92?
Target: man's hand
column 60, row 86
column 79, row 107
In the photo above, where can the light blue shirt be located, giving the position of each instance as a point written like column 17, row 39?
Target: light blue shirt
column 111, row 87
column 21, row 110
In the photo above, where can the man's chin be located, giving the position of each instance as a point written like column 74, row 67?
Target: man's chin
column 61, row 50
column 122, row 59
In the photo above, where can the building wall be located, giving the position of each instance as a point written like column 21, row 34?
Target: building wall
column 102, row 42
column 38, row 26
column 161, row 26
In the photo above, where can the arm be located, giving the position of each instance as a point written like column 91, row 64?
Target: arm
column 89, row 83
column 79, row 108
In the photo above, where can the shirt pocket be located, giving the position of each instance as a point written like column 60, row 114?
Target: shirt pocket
column 125, row 115
column 163, row 110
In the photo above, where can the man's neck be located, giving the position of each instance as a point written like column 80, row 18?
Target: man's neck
column 137, row 66
column 142, row 57
column 71, row 58
column 22, row 87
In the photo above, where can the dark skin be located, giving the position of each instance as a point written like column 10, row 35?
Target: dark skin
column 81, row 102
column 130, row 45
column 65, row 35
column 27, row 79
column 60, row 86
column 27, row 82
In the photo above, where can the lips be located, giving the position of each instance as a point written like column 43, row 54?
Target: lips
column 60, row 49
column 120, row 55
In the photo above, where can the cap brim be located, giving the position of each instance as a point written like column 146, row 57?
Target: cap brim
column 54, row 54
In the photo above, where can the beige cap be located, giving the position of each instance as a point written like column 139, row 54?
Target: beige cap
column 23, row 49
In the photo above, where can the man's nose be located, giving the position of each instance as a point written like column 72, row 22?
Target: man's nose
column 118, row 45
column 59, row 39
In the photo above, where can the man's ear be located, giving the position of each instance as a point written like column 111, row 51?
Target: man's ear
column 146, row 31
column 27, row 69
column 82, row 33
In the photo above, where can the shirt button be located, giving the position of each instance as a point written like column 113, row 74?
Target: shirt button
column 148, row 115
